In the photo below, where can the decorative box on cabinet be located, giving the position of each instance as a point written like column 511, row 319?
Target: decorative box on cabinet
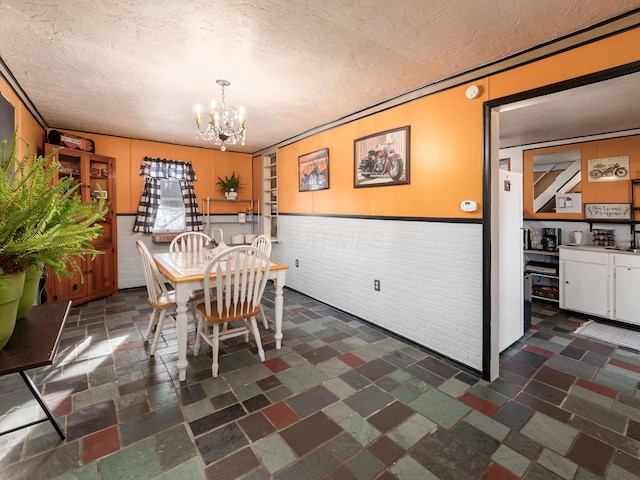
column 96, row 176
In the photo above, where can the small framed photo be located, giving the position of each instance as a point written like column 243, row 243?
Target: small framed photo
column 99, row 194
column 382, row 159
column 313, row 171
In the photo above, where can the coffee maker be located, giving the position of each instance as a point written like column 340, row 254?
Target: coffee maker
column 550, row 239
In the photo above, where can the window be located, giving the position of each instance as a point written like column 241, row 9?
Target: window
column 171, row 216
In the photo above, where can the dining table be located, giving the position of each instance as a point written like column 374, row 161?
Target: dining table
column 185, row 272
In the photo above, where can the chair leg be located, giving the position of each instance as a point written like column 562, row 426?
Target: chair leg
column 264, row 318
column 152, row 322
column 256, row 335
column 199, row 333
column 193, row 311
column 163, row 314
column 216, row 348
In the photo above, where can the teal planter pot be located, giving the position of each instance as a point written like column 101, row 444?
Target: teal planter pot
column 31, row 282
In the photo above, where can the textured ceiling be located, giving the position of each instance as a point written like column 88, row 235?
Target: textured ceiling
column 137, row 68
column 604, row 107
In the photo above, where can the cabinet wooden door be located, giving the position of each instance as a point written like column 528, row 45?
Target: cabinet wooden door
column 585, row 287
column 62, row 289
column 95, row 175
column 100, row 274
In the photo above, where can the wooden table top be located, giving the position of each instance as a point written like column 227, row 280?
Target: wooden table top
column 188, row 266
column 35, row 340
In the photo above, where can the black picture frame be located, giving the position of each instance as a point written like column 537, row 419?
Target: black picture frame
column 313, row 171
column 382, row 159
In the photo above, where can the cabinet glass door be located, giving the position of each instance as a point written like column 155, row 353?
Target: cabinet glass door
column 70, row 165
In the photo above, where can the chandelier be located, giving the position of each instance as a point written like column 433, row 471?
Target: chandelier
column 226, row 125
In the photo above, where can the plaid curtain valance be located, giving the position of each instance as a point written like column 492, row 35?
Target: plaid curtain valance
column 160, row 168
column 154, row 170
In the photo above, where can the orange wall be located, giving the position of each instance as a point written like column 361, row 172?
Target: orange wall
column 208, row 165
column 445, row 161
column 446, row 142
column 601, row 55
column 592, row 192
column 28, row 128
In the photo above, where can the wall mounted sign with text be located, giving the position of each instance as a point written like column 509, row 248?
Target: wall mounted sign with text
column 607, row 211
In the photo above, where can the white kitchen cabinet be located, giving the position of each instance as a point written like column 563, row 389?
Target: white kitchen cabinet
column 626, row 288
column 584, row 281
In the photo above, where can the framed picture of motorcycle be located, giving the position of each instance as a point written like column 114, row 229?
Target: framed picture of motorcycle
column 608, row 169
column 382, row 159
column 313, row 171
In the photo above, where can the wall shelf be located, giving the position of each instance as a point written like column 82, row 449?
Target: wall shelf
column 635, row 207
column 250, row 218
column 270, row 196
column 541, row 268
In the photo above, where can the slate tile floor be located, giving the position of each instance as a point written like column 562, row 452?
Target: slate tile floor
column 340, row 400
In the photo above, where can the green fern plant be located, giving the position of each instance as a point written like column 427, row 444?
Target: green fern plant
column 229, row 184
column 42, row 217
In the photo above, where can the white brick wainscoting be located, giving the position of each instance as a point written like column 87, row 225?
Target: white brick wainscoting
column 430, row 276
column 130, row 273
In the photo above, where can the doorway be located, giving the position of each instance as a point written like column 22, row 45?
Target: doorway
column 503, row 117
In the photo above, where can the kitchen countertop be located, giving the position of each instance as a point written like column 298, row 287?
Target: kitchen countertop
column 597, row 248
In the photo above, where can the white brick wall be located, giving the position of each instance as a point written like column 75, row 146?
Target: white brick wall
column 130, row 272
column 430, row 275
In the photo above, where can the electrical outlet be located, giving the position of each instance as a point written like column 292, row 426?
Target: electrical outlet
column 376, row 285
column 297, row 262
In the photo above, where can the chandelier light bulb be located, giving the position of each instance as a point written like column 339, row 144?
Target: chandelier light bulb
column 227, row 125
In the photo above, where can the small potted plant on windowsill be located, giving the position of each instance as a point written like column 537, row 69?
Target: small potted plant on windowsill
column 229, row 186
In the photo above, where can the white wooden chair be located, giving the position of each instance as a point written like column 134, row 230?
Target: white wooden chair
column 241, row 274
column 262, row 242
column 189, row 242
column 160, row 298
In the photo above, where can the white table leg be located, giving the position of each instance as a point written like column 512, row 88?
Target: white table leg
column 182, row 320
column 279, row 305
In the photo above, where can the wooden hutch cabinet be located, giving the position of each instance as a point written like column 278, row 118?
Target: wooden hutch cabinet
column 96, row 175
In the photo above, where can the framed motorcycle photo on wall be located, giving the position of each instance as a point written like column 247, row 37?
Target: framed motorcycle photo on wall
column 608, row 169
column 382, row 159
column 313, row 171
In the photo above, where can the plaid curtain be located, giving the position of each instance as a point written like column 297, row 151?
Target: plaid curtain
column 154, row 170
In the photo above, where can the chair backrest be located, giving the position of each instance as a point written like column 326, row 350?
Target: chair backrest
column 241, row 274
column 189, row 242
column 156, row 289
column 262, row 242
